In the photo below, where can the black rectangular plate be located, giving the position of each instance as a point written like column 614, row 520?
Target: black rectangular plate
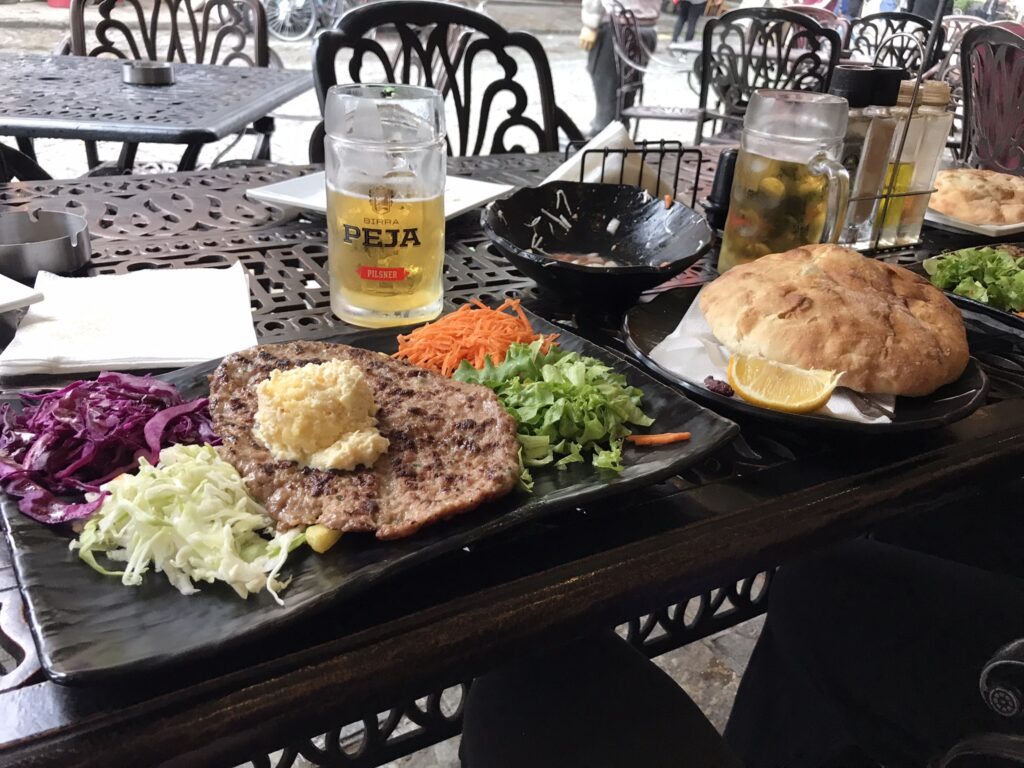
column 89, row 628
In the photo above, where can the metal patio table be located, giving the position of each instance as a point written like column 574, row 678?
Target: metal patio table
column 83, row 97
column 671, row 564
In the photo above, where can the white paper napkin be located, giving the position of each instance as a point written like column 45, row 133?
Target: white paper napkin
column 153, row 318
column 692, row 352
column 614, row 136
column 14, row 295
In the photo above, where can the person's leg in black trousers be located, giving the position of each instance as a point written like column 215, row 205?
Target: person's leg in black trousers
column 693, row 14
column 596, row 703
column 682, row 7
column 687, row 14
column 875, row 648
column 603, row 75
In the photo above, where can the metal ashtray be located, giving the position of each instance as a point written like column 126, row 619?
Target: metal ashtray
column 147, row 73
column 31, row 241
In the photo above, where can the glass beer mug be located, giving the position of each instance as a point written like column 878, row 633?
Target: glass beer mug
column 789, row 188
column 385, row 151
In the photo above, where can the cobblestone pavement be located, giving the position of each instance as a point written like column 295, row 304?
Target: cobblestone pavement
column 708, row 670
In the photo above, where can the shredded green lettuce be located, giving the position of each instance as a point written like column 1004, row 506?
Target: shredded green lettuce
column 988, row 274
column 191, row 518
column 566, row 406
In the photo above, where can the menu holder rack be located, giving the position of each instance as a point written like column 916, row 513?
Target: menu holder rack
column 666, row 158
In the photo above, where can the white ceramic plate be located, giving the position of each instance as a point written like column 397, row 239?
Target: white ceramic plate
column 309, row 193
column 989, row 230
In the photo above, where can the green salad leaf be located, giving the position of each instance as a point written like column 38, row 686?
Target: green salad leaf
column 567, row 406
column 191, row 518
column 991, row 275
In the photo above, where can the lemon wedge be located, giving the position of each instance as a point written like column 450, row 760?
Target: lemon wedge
column 780, row 387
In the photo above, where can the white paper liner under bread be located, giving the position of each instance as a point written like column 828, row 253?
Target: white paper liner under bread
column 693, row 353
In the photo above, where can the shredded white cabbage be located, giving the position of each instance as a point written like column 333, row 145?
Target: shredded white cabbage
column 191, row 517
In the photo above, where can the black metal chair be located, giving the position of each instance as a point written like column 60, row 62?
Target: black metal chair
column 226, row 32
column 992, row 63
column 825, row 17
column 1001, row 685
column 888, row 39
column 948, row 71
column 425, row 30
column 18, row 166
column 632, row 61
column 752, row 48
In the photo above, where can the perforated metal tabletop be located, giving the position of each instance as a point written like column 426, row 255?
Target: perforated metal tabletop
column 79, row 97
column 672, row 563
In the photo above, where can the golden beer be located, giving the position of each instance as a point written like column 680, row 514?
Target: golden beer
column 385, row 173
column 386, row 255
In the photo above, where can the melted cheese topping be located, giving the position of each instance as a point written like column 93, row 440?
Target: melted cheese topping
column 320, row 415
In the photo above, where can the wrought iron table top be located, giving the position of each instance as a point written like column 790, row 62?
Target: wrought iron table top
column 658, row 555
column 79, row 97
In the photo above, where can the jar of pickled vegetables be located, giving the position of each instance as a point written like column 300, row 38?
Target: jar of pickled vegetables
column 789, row 188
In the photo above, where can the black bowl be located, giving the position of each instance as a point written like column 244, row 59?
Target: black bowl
column 652, row 243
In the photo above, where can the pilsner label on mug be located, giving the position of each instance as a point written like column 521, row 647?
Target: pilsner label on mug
column 386, row 250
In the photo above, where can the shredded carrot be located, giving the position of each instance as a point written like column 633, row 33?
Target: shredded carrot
column 473, row 332
column 660, row 439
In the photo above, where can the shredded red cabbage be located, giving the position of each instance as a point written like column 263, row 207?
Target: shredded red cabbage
column 77, row 438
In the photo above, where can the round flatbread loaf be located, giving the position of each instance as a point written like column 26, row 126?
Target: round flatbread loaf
column 824, row 306
column 979, row 197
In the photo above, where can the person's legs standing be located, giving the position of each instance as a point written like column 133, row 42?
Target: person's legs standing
column 601, row 66
column 693, row 14
column 682, row 7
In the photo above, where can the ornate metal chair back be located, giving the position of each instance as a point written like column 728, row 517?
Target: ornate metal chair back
column 17, row 166
column 629, row 48
column 752, row 48
column 992, row 61
column 877, row 37
column 948, row 69
column 489, row 111
column 825, row 17
column 954, row 26
column 221, row 32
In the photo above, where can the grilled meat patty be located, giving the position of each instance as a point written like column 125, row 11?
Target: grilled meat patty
column 453, row 446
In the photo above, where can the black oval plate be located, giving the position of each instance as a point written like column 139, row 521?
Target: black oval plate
column 89, row 628
column 645, row 325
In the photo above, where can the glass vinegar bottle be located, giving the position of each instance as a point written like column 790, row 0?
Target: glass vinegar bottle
column 889, row 212
column 937, row 118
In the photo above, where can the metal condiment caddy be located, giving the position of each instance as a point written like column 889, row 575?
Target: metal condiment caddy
column 887, row 198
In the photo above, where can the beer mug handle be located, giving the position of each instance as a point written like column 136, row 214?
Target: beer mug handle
column 838, row 194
